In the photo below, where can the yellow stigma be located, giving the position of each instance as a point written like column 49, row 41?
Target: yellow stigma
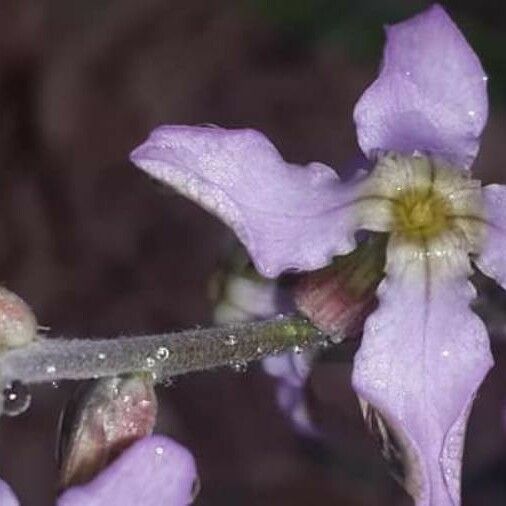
column 421, row 213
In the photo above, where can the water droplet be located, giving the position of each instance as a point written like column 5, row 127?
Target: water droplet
column 162, row 353
column 453, row 449
column 408, row 72
column 338, row 337
column 451, row 473
column 231, row 340
column 445, row 353
column 378, row 384
column 260, row 350
column 55, row 385
column 324, row 343
column 101, row 356
column 150, row 362
column 17, row 399
column 50, row 369
column 471, row 113
column 159, row 450
column 239, row 366
column 485, row 78
column 297, row 349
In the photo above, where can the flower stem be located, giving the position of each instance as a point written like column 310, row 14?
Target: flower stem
column 162, row 355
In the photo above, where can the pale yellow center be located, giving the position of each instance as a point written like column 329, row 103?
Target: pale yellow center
column 425, row 203
column 421, row 213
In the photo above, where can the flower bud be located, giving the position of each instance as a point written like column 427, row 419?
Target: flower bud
column 339, row 298
column 18, row 325
column 101, row 421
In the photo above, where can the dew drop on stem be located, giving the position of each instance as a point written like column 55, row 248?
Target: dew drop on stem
column 230, row 340
column 162, row 353
column 239, row 366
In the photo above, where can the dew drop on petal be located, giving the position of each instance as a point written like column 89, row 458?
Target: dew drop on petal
column 50, row 369
column 17, row 399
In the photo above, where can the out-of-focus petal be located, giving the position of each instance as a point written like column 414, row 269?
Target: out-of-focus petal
column 292, row 368
column 155, row 471
column 492, row 260
column 7, row 497
column 293, row 402
column 247, row 299
column 423, row 356
column 430, row 96
column 289, row 217
column 253, row 297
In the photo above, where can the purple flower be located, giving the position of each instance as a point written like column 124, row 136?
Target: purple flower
column 424, row 353
column 154, row 471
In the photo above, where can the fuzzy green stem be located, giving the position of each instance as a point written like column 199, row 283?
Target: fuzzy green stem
column 163, row 355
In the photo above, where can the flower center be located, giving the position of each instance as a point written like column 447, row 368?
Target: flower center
column 421, row 213
column 423, row 202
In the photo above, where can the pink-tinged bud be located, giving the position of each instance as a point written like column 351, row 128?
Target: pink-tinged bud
column 18, row 325
column 339, row 298
column 101, row 422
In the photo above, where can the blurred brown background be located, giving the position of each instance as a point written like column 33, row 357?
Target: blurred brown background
column 97, row 249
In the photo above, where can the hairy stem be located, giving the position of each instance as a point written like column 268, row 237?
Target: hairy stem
column 163, row 355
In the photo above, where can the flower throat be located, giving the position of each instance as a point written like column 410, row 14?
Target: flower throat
column 421, row 213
